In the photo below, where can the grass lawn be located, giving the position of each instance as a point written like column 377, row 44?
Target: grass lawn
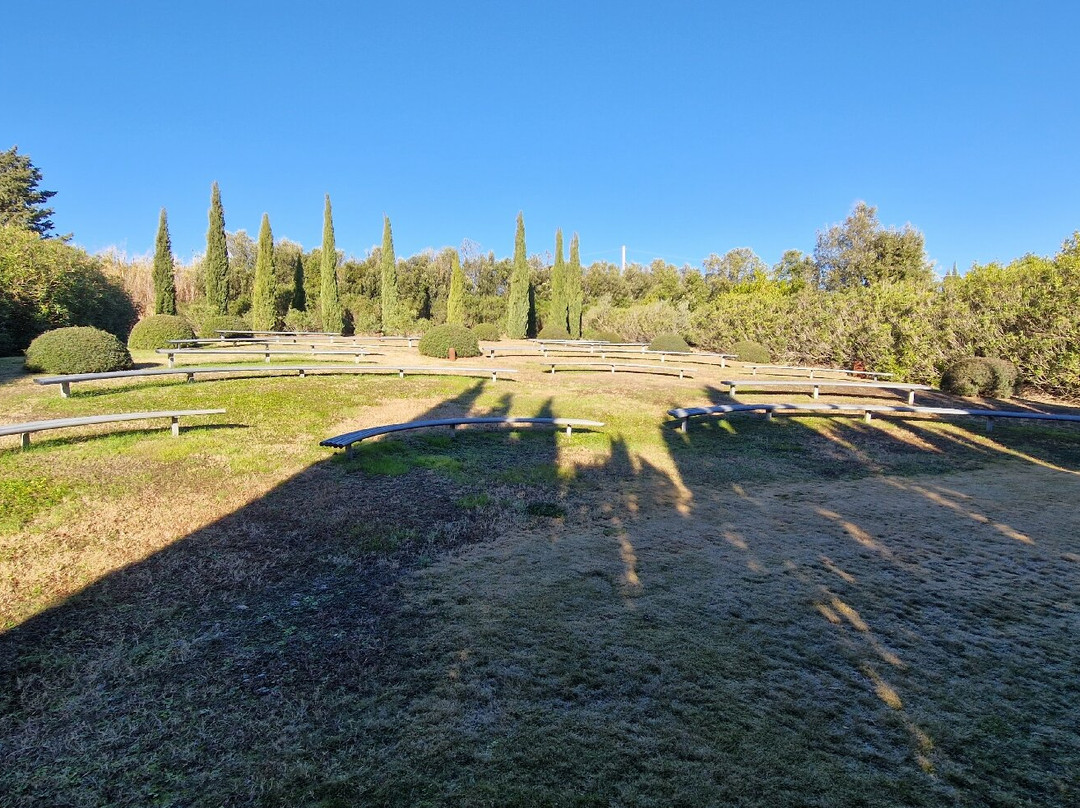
column 809, row 612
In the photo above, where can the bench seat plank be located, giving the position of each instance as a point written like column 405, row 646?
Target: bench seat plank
column 28, row 428
column 817, row 384
column 349, row 438
column 613, row 366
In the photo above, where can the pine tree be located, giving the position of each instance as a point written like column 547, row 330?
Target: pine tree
column 164, row 277
column 391, row 308
column 557, row 312
column 517, row 304
column 574, row 299
column 299, row 298
column 455, row 304
column 263, row 293
column 216, row 262
column 21, row 203
column 333, row 317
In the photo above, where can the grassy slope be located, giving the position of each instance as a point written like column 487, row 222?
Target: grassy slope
column 817, row 612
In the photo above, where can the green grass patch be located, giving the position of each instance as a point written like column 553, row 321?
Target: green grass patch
column 22, row 499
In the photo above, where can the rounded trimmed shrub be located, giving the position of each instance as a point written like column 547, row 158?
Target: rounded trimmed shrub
column 980, row 376
column 750, row 351
column 601, row 335
column 668, row 342
column 440, row 339
column 222, row 322
column 553, row 331
column 77, row 349
column 157, row 330
column 487, row 331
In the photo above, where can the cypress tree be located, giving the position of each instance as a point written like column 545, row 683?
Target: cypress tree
column 517, row 304
column 391, row 314
column 557, row 315
column 455, row 304
column 263, row 293
column 164, row 277
column 333, row 317
column 299, row 298
column 216, row 262
column 574, row 298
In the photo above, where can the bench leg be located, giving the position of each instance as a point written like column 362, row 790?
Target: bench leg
column 301, row 373
column 680, row 373
column 568, row 429
column 911, row 397
column 266, row 358
column 866, row 417
column 176, row 426
column 723, row 362
column 172, row 360
column 494, row 375
column 684, row 425
column 817, row 390
column 24, row 440
column 768, row 415
column 731, row 390
column 65, row 389
column 401, row 374
column 989, row 424
column 189, row 377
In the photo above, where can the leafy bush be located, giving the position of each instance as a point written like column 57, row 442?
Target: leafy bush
column 157, row 330
column 553, row 331
column 439, row 340
column 296, row 320
column 750, row 351
column 640, row 322
column 222, row 322
column 487, row 331
column 668, row 342
column 980, row 376
column 77, row 349
column 600, row 335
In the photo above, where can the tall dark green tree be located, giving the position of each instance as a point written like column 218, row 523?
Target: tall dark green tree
column 455, row 303
column 388, row 284
column 216, row 261
column 263, row 291
column 517, row 304
column 299, row 298
column 21, row 201
column 164, row 270
column 333, row 316
column 557, row 312
column 574, row 294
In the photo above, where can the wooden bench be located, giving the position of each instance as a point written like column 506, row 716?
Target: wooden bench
column 866, row 410
column 754, row 368
column 189, row 372
column 613, row 366
column 817, row 384
column 349, row 438
column 321, row 336
column 266, row 353
column 27, row 429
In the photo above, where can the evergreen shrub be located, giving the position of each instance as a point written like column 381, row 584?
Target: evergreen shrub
column 157, row 330
column 440, row 339
column 222, row 322
column 487, row 331
column 601, row 335
column 77, row 349
column 980, row 376
column 553, row 331
column 668, row 342
column 750, row 351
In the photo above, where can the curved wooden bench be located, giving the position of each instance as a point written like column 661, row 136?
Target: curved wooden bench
column 817, row 384
column 866, row 410
column 349, row 438
column 266, row 353
column 613, row 366
column 754, row 368
column 25, row 430
column 190, row 371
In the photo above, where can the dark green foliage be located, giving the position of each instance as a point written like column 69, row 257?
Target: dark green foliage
column 77, row 349
column 46, row 284
column 216, row 261
column 574, row 292
column 299, row 299
column 164, row 272
column 333, row 315
column 517, row 304
column 557, row 311
column 263, row 292
column 439, row 339
column 668, row 342
column 155, row 331
column 604, row 336
column 455, row 302
column 750, row 351
column 222, row 322
column 489, row 332
column 20, row 199
column 980, row 376
column 554, row 331
column 388, row 282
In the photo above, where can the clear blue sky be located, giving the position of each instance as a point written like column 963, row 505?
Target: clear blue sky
column 677, row 129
